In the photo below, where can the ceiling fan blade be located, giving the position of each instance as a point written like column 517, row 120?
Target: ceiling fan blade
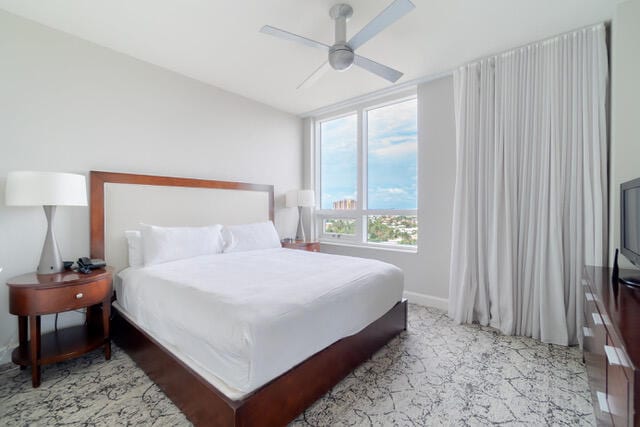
column 268, row 29
column 383, row 71
column 391, row 14
column 319, row 72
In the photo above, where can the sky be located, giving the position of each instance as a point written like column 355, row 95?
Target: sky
column 391, row 157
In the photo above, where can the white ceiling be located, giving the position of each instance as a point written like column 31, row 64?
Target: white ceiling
column 217, row 41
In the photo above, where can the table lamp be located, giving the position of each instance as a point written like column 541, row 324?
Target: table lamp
column 300, row 199
column 46, row 189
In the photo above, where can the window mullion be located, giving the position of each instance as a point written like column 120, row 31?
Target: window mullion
column 319, row 226
column 365, row 174
column 362, row 181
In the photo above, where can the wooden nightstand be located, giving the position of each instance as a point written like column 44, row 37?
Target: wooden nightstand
column 32, row 295
column 305, row 246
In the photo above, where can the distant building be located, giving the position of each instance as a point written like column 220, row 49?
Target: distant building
column 344, row 204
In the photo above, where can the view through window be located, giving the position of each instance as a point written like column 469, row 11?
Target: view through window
column 368, row 179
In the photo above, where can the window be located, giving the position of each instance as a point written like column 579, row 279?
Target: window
column 339, row 162
column 367, row 175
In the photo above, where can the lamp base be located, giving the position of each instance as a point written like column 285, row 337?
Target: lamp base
column 50, row 259
column 300, row 235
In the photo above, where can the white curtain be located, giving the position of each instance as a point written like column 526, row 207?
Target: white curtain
column 531, row 185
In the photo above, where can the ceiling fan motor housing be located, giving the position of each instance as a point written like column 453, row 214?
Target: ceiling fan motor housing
column 341, row 56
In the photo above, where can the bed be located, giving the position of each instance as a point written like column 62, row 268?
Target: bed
column 307, row 319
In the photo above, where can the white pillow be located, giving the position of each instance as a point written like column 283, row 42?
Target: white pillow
column 227, row 237
column 250, row 237
column 163, row 244
column 134, row 241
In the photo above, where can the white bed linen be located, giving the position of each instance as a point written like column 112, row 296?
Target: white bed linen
column 242, row 319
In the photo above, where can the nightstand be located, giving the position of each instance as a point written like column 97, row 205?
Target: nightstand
column 32, row 295
column 305, row 246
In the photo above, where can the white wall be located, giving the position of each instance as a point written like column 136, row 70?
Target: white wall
column 427, row 272
column 69, row 105
column 625, row 108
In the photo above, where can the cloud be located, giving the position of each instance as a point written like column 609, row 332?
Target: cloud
column 392, row 130
column 339, row 135
column 393, row 119
column 392, row 198
column 391, row 149
column 392, row 191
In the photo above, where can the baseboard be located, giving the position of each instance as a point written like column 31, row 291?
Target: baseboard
column 5, row 353
column 427, row 300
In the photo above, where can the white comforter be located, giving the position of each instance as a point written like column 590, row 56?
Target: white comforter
column 241, row 319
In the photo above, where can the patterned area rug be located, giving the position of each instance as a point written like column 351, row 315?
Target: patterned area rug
column 436, row 373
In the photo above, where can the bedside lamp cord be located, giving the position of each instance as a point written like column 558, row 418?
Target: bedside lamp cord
column 55, row 323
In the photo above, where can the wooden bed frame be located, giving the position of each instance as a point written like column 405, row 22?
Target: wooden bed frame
column 277, row 402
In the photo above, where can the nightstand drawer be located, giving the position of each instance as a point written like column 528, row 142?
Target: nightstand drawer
column 53, row 300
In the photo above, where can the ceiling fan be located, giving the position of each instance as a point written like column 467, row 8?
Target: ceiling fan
column 341, row 55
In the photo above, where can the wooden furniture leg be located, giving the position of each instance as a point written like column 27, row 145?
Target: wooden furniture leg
column 106, row 314
column 34, row 329
column 23, row 325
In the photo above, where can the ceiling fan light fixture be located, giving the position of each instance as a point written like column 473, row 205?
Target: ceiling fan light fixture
column 341, row 57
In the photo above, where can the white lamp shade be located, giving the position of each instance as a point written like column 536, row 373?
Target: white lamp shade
column 300, row 198
column 26, row 188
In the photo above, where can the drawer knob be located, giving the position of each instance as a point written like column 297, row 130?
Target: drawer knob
column 79, row 295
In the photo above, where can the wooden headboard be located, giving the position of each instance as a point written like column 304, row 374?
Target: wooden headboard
column 121, row 201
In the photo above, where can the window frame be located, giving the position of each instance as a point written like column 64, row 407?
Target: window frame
column 360, row 214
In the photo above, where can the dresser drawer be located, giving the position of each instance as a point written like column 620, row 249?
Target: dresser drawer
column 617, row 383
column 52, row 300
column 594, row 330
column 594, row 339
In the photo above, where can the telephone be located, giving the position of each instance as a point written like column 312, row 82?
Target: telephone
column 85, row 265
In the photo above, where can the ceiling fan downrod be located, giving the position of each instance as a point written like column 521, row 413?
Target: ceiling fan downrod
column 340, row 54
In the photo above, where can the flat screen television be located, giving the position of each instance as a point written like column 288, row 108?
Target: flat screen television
column 630, row 226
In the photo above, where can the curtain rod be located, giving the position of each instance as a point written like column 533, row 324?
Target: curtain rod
column 431, row 77
column 606, row 24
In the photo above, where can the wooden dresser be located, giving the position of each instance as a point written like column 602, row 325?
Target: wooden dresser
column 612, row 346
